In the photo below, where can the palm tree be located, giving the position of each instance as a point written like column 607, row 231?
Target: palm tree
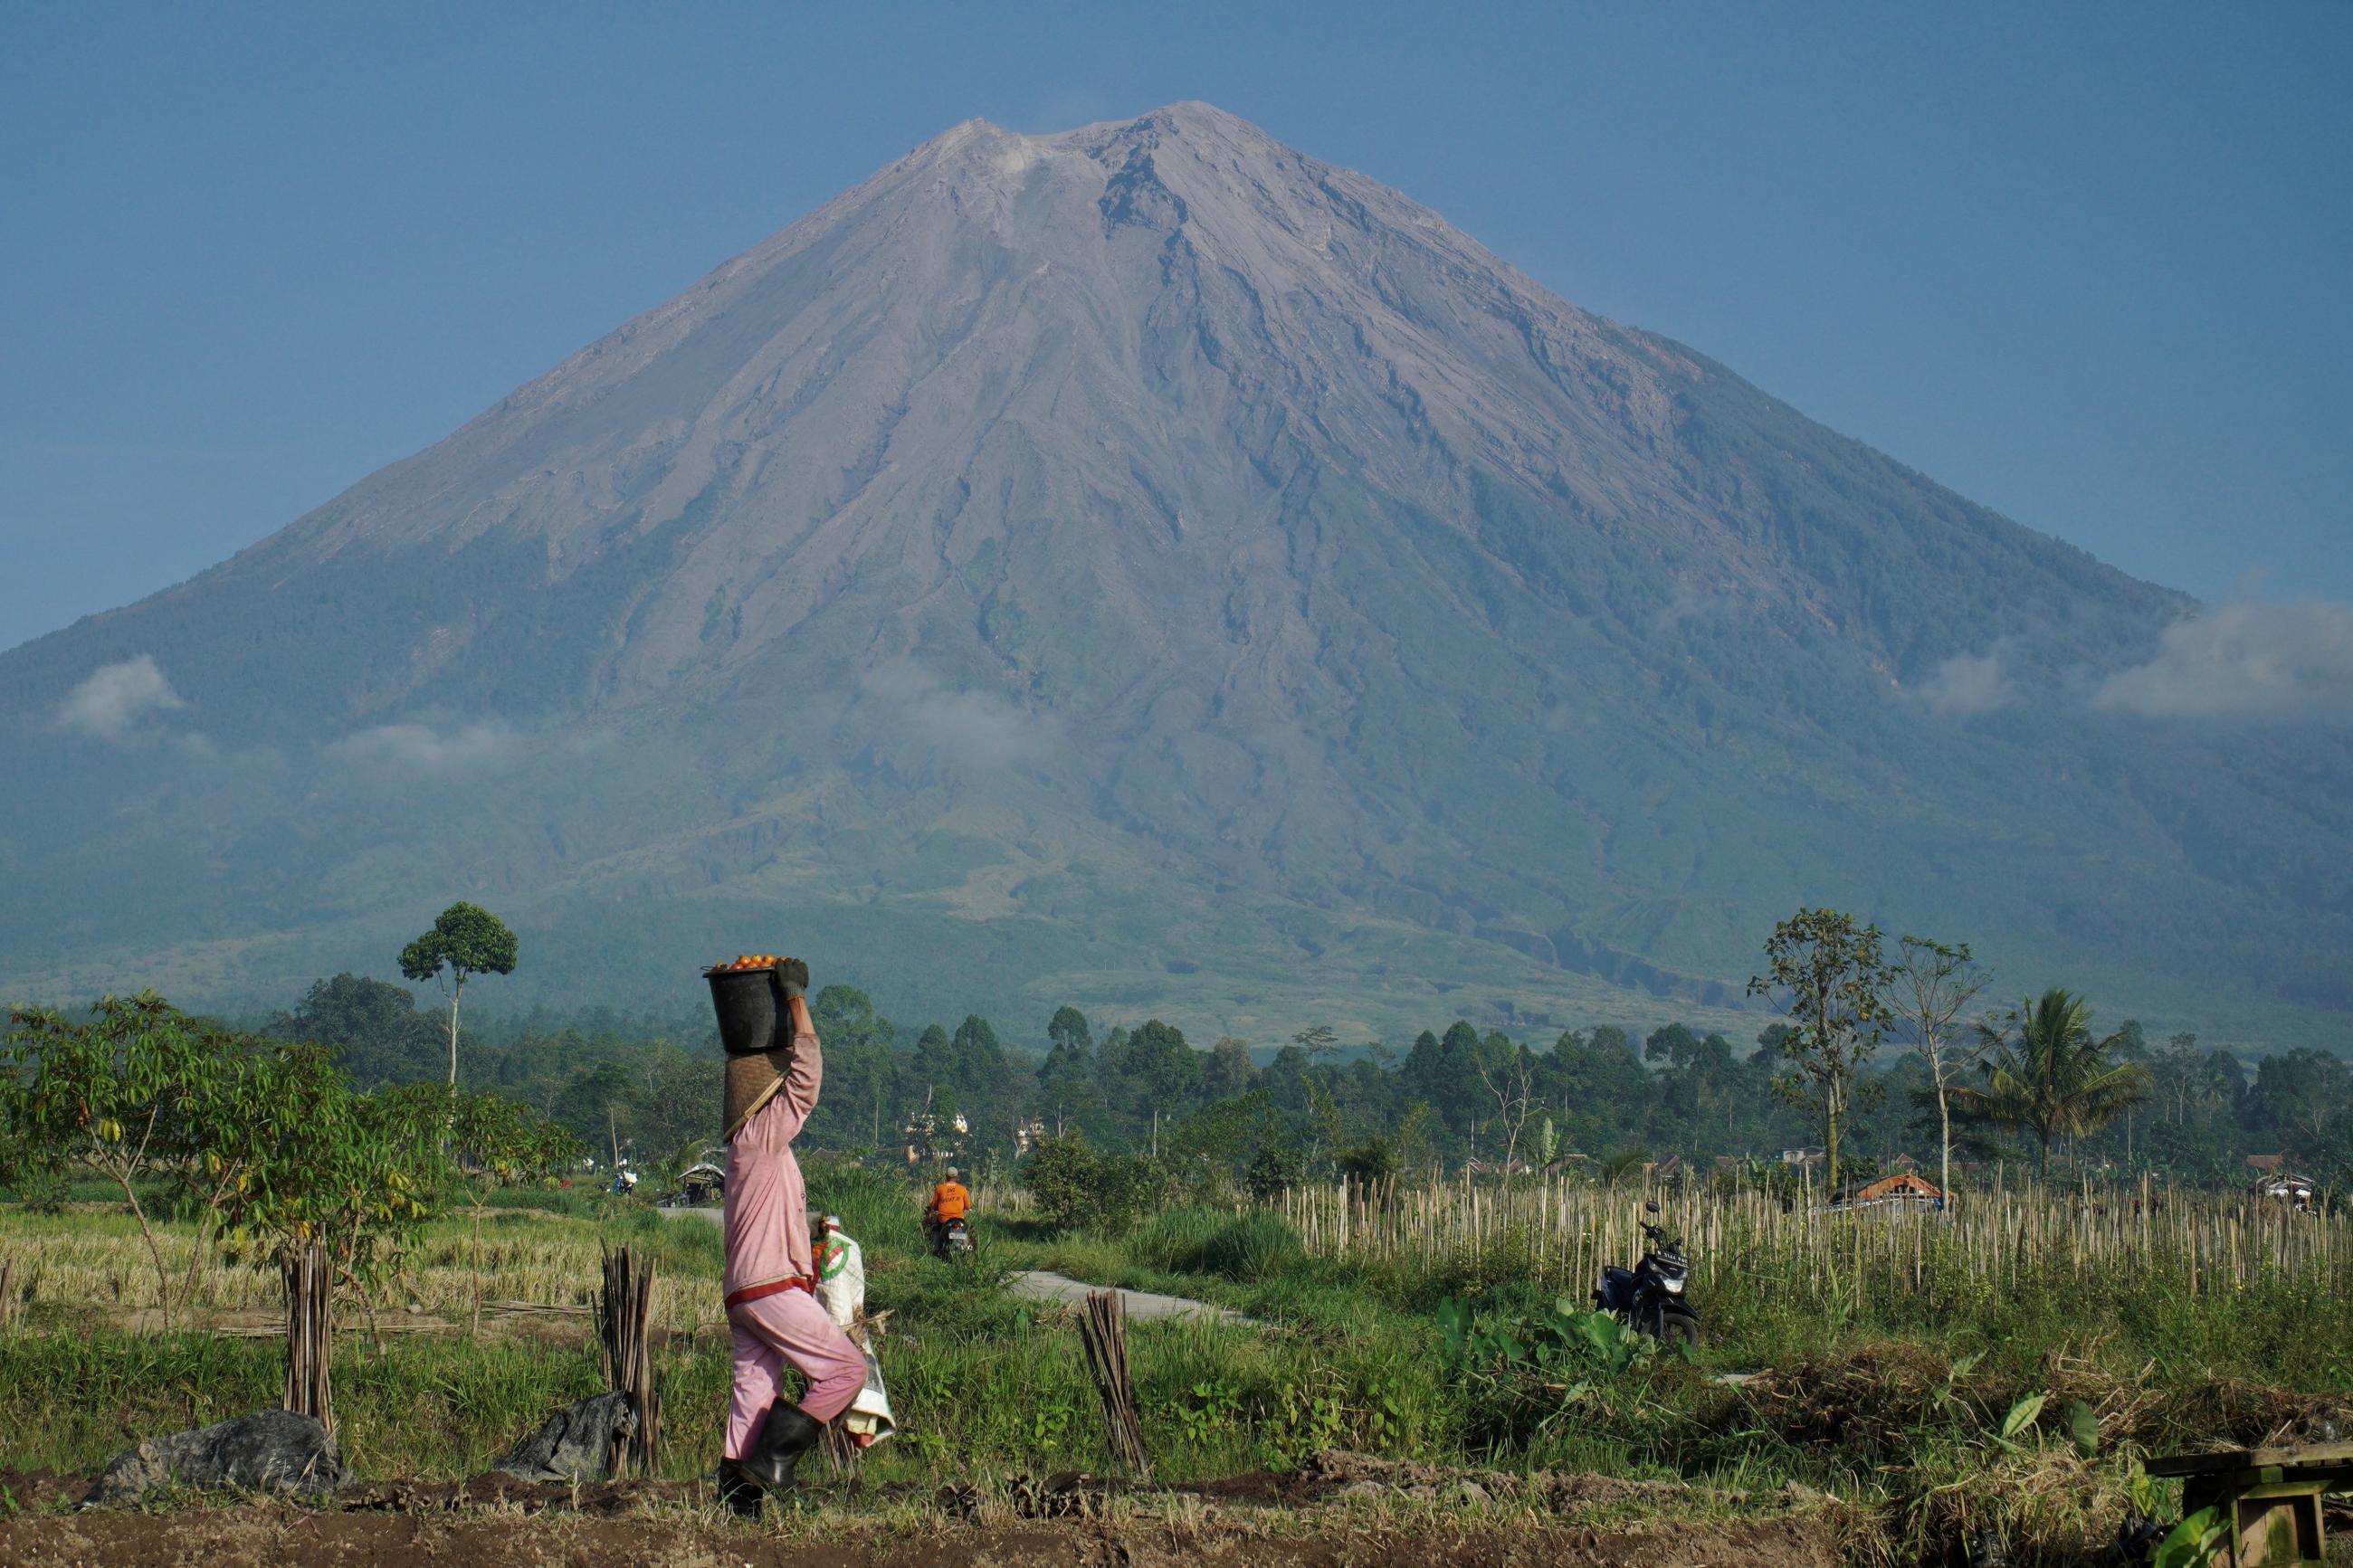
column 1625, row 1165
column 2048, row 1073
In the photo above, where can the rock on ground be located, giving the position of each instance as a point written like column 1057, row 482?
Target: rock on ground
column 272, row 1451
column 578, row 1444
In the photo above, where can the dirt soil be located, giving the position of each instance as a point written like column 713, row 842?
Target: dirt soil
column 1317, row 1518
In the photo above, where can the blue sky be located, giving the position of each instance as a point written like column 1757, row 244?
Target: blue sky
column 2087, row 264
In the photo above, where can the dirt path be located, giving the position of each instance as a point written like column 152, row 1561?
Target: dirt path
column 364, row 1540
column 279, row 1536
column 1339, row 1510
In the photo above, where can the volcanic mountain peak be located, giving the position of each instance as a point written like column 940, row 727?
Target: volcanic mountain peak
column 1137, row 324
column 1148, row 538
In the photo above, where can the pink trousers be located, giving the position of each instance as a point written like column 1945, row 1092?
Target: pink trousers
column 770, row 1331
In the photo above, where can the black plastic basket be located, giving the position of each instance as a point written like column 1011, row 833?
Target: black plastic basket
column 745, row 1001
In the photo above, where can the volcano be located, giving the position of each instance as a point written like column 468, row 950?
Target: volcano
column 1148, row 567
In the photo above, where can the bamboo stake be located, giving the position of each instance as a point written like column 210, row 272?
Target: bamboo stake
column 309, row 1345
column 1103, row 1329
column 623, row 1315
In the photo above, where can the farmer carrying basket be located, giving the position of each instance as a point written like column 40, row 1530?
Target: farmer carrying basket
column 773, row 1071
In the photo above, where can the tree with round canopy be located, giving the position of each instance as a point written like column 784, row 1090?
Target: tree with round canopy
column 466, row 940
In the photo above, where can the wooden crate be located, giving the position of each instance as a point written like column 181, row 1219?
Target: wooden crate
column 2270, row 1498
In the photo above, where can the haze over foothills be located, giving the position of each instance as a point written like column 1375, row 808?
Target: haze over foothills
column 1141, row 556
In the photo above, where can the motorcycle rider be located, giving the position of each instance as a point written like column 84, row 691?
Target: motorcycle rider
column 950, row 1201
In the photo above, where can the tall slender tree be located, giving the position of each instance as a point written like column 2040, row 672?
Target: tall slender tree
column 465, row 940
column 1933, row 984
column 1508, row 1071
column 1834, row 977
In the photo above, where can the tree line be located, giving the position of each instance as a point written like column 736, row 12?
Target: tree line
column 1878, row 1048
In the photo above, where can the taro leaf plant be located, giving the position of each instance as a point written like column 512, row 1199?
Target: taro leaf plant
column 1523, row 1374
column 465, row 940
column 2021, row 1418
column 2194, row 1541
column 1561, row 1354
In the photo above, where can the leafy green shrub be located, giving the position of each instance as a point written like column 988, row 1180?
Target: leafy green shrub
column 1273, row 1171
column 1253, row 1247
column 1076, row 1185
column 1371, row 1161
column 1174, row 1240
column 1248, row 1248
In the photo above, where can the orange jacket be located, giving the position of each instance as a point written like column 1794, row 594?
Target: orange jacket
column 950, row 1201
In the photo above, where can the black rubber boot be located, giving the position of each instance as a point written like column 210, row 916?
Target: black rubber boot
column 788, row 1434
column 739, row 1494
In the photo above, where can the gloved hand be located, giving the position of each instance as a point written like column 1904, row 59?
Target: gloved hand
column 789, row 978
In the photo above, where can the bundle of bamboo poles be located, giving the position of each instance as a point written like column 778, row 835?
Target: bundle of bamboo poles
column 309, row 1330
column 623, row 1316
column 1564, row 1230
column 1102, row 1328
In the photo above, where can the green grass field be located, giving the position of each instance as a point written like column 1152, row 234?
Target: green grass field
column 1894, row 1399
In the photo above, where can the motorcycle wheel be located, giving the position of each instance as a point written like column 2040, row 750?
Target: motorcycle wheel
column 1678, row 1330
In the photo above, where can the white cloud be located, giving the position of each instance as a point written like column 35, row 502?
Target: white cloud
column 975, row 726
column 2246, row 659
column 1967, row 683
column 418, row 747
column 116, row 695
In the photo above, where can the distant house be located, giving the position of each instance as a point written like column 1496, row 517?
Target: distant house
column 2285, row 1185
column 1669, row 1169
column 1903, row 1188
column 700, row 1185
column 1804, row 1159
column 1902, row 1162
column 2266, row 1162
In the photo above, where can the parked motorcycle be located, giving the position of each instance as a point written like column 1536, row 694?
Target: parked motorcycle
column 1649, row 1298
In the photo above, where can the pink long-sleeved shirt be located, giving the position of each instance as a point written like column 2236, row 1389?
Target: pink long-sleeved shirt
column 767, row 1216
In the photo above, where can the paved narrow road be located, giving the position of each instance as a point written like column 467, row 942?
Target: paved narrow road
column 1039, row 1285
